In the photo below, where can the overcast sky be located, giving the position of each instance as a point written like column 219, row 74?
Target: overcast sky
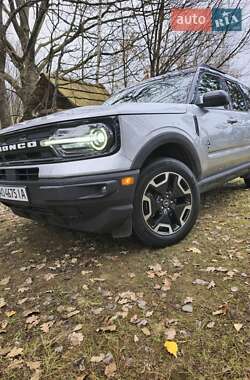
column 242, row 61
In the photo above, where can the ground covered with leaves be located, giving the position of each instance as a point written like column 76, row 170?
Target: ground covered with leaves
column 77, row 306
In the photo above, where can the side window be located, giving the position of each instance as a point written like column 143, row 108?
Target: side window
column 247, row 96
column 208, row 82
column 238, row 101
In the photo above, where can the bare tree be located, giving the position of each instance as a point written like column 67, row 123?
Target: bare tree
column 38, row 51
column 5, row 118
column 108, row 41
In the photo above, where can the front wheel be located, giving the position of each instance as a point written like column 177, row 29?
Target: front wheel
column 166, row 205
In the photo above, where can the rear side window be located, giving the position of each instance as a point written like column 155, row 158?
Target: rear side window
column 208, row 82
column 237, row 97
column 247, row 96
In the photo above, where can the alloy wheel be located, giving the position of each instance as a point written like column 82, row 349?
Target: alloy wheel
column 167, row 203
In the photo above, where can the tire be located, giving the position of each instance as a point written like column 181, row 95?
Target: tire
column 247, row 181
column 166, row 204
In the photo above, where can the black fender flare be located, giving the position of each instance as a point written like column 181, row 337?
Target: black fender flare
column 168, row 138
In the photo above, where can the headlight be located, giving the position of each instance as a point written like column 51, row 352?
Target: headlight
column 84, row 139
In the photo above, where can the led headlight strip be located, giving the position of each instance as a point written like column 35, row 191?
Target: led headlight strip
column 97, row 139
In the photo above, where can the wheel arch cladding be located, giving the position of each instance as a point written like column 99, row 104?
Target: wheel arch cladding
column 170, row 145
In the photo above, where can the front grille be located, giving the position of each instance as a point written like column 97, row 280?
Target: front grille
column 27, row 156
column 27, row 174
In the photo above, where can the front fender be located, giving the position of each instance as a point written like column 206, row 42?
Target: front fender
column 168, row 138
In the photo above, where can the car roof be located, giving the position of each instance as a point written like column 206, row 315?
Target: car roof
column 204, row 66
column 172, row 74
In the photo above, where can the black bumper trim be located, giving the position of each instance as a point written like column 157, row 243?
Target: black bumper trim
column 96, row 203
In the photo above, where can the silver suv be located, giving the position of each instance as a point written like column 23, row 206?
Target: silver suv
column 136, row 164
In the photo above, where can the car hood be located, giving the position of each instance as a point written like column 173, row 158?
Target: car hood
column 100, row 111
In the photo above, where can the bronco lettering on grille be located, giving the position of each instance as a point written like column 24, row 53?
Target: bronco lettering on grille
column 18, row 146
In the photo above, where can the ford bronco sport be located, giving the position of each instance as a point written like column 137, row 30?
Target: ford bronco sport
column 136, row 164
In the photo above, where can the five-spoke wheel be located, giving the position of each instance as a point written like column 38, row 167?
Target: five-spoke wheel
column 166, row 203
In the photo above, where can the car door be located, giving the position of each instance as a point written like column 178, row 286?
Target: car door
column 217, row 131
column 240, row 118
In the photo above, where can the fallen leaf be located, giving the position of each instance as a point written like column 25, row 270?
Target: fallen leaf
column 170, row 333
column 211, row 285
column 28, row 281
column 200, row 282
column 45, row 327
column 108, row 358
column 97, row 311
column 110, row 328
column 22, row 301
column 230, row 274
column 170, row 322
column 213, row 269
column 210, row 325
column 10, row 314
column 29, row 312
column 5, row 281
column 2, row 302
column 84, row 272
column 110, row 370
column 16, row 351
column 75, row 338
column 97, row 279
column 33, row 365
column 16, row 364
column 218, row 312
column 166, row 285
column 194, row 250
column 171, row 347
column 156, row 271
column 234, row 289
column 77, row 327
column 176, row 263
column 23, row 289
column 4, row 351
column 4, row 324
column 223, row 309
column 71, row 314
column 49, row 276
column 136, row 339
column 97, row 359
column 238, row 326
column 187, row 308
column 188, row 300
column 32, row 320
column 146, row 331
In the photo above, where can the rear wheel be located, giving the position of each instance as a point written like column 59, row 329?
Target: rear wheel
column 247, row 181
column 166, row 203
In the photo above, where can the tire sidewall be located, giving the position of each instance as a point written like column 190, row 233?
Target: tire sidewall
column 141, row 229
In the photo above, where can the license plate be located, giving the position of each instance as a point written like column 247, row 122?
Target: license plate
column 13, row 194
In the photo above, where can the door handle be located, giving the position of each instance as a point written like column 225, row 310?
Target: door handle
column 232, row 121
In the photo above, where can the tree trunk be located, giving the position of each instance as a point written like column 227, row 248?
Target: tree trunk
column 29, row 79
column 5, row 119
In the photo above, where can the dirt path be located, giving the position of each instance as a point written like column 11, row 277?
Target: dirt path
column 125, row 301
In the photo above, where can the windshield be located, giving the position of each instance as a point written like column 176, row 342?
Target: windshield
column 167, row 89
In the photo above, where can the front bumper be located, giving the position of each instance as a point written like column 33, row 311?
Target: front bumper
column 97, row 203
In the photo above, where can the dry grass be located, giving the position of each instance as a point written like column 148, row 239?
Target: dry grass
column 223, row 237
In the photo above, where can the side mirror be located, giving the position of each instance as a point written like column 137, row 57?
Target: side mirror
column 217, row 98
